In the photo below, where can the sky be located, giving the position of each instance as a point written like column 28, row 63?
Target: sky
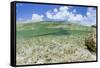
column 27, row 12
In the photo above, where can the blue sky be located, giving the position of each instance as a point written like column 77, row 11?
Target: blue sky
column 41, row 12
column 25, row 10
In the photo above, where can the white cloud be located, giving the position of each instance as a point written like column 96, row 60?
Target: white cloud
column 58, row 14
column 90, row 18
column 91, row 12
column 75, row 17
column 74, row 11
column 49, row 15
column 55, row 10
column 37, row 17
column 72, row 16
column 63, row 8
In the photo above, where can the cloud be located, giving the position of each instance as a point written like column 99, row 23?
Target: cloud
column 37, row 17
column 91, row 12
column 90, row 18
column 55, row 10
column 74, row 11
column 63, row 14
column 58, row 14
column 63, row 8
column 75, row 17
